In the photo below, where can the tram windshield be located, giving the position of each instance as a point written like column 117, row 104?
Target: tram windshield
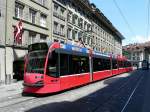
column 36, row 61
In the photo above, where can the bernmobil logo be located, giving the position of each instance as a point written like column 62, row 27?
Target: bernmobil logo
column 76, row 49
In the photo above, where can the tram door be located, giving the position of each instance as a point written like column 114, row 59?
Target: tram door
column 52, row 72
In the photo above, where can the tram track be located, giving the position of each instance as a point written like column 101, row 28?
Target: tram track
column 118, row 92
column 127, row 102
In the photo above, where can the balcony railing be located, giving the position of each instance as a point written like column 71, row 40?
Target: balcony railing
column 59, row 16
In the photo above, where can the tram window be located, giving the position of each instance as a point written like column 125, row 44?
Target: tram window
column 52, row 67
column 97, row 64
column 85, row 64
column 64, row 64
column 129, row 64
column 126, row 64
column 107, row 64
column 114, row 63
column 73, row 64
column 101, row 64
column 121, row 64
column 78, row 64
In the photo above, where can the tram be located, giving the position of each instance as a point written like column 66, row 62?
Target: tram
column 53, row 67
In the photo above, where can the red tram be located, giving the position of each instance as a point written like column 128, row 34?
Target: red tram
column 53, row 67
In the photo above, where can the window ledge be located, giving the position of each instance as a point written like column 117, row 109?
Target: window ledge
column 40, row 4
column 25, row 21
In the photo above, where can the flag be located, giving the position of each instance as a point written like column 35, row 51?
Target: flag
column 18, row 31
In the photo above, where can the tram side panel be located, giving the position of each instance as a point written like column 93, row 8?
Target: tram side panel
column 74, row 70
column 101, row 68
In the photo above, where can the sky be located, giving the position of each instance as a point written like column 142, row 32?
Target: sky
column 136, row 14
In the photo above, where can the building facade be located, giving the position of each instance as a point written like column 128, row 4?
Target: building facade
column 137, row 52
column 66, row 21
column 81, row 19
column 36, row 20
column 2, row 39
column 59, row 21
column 79, row 25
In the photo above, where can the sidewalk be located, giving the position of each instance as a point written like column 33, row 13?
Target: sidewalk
column 11, row 89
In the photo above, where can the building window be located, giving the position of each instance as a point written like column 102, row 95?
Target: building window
column 88, row 27
column 56, row 26
column 55, row 30
column 80, row 35
column 32, row 16
column 55, row 7
column 80, row 23
column 74, row 20
column 88, row 40
column 85, row 25
column 69, row 16
column 76, row 35
column 19, row 10
column 42, row 2
column 62, row 30
column 62, row 10
column 32, row 37
column 55, row 40
column 43, row 20
column 42, row 38
column 69, row 33
column 73, row 34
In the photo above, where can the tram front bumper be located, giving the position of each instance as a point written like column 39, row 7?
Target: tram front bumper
column 37, row 84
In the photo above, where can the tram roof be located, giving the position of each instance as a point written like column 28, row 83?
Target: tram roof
column 74, row 49
column 82, row 50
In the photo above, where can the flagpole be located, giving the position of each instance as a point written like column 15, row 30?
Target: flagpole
column 5, row 38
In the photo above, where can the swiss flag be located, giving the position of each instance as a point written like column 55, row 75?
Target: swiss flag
column 18, row 31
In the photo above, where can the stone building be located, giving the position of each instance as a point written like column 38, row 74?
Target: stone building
column 137, row 52
column 35, row 15
column 59, row 21
column 84, row 20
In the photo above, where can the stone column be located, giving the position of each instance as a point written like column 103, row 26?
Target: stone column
column 2, row 65
column 9, row 64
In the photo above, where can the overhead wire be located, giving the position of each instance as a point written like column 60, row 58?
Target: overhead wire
column 124, row 18
column 148, row 21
